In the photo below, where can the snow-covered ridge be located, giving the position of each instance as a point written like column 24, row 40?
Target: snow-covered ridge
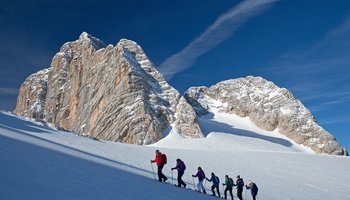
column 269, row 107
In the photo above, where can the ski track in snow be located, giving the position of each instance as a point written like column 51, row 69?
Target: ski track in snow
column 39, row 162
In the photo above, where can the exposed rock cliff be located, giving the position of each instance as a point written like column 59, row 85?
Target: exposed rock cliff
column 108, row 92
column 115, row 93
column 32, row 95
column 269, row 107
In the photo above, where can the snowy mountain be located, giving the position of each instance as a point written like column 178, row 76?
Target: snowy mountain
column 40, row 162
column 106, row 92
column 115, row 93
column 269, row 107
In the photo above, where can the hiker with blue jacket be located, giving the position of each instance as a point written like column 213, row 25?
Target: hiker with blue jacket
column 201, row 176
column 181, row 167
column 229, row 185
column 253, row 189
column 216, row 182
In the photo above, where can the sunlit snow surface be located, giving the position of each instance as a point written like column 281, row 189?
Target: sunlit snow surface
column 39, row 162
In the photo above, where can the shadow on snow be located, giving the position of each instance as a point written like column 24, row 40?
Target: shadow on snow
column 215, row 126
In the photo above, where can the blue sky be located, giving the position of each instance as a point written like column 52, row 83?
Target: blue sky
column 302, row 45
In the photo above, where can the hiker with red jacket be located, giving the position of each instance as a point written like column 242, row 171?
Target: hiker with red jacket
column 161, row 160
column 201, row 176
column 181, row 167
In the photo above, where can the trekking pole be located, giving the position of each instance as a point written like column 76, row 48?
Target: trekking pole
column 172, row 177
column 194, row 187
column 154, row 175
column 223, row 190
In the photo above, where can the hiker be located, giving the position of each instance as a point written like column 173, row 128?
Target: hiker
column 240, row 185
column 201, row 176
column 229, row 185
column 253, row 189
column 216, row 182
column 161, row 160
column 181, row 167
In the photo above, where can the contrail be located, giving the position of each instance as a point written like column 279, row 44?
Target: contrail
column 223, row 28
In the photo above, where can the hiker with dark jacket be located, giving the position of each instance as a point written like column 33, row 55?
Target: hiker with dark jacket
column 229, row 185
column 253, row 189
column 201, row 176
column 180, row 166
column 216, row 182
column 239, row 184
column 161, row 160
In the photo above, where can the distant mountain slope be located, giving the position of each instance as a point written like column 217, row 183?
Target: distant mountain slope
column 230, row 132
column 269, row 107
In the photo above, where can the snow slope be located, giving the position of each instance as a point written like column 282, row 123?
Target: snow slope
column 229, row 132
column 39, row 162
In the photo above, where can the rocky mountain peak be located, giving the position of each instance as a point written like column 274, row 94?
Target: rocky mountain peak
column 86, row 38
column 268, row 106
column 108, row 92
column 116, row 93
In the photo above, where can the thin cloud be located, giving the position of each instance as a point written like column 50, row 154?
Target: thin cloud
column 223, row 28
column 8, row 91
column 335, row 121
column 318, row 71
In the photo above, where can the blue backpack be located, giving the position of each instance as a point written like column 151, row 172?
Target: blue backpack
column 216, row 180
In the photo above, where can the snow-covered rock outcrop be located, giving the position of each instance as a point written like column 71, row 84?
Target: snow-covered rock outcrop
column 269, row 107
column 31, row 101
column 108, row 92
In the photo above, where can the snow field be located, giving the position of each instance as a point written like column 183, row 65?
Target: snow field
column 43, row 163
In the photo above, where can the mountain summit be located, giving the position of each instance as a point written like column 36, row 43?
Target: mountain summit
column 116, row 93
column 268, row 107
column 106, row 92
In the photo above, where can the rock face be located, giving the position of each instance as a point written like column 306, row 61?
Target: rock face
column 108, row 92
column 31, row 101
column 269, row 107
column 115, row 93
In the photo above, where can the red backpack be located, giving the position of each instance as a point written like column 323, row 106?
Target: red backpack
column 164, row 159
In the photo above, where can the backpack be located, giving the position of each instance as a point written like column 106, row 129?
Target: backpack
column 181, row 166
column 164, row 159
column 240, row 182
column 230, row 182
column 216, row 180
column 256, row 187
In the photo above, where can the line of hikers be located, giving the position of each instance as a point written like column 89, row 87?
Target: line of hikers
column 161, row 160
